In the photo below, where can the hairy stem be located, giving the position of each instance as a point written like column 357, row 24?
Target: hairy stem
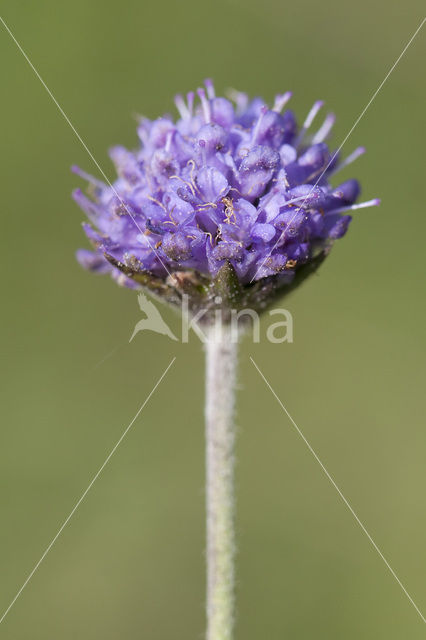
column 221, row 356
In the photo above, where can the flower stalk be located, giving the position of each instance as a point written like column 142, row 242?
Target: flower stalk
column 222, row 211
column 221, row 360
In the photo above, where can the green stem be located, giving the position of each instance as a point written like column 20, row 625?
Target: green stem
column 221, row 356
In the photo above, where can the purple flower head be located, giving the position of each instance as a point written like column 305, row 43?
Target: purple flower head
column 233, row 196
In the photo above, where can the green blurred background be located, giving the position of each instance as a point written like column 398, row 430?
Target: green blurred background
column 130, row 563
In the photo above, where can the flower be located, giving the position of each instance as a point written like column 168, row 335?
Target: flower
column 232, row 199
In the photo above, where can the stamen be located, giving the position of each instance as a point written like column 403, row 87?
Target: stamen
column 254, row 185
column 229, row 210
column 202, row 145
column 205, row 105
column 236, row 191
column 160, row 204
column 309, row 120
column 290, row 264
column 281, row 100
column 210, row 88
column 351, row 158
column 241, row 99
column 143, row 135
column 312, row 113
column 256, row 128
column 191, row 163
column 293, row 200
column 169, row 141
column 325, row 129
column 361, row 205
column 208, row 205
column 181, row 107
column 188, row 184
column 190, row 99
column 88, row 177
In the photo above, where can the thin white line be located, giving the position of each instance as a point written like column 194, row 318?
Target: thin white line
column 80, row 139
column 339, row 492
column 96, row 476
column 106, row 357
column 350, row 132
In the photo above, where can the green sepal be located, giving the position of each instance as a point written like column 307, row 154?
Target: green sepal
column 228, row 287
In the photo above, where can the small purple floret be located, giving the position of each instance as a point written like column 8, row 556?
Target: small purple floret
column 240, row 184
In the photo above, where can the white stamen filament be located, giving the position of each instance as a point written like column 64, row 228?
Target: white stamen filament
column 325, row 129
column 281, row 100
column 240, row 99
column 312, row 114
column 361, row 205
column 190, row 98
column 88, row 177
column 181, row 107
column 351, row 158
column 210, row 88
column 205, row 105
column 255, row 132
column 298, row 199
column 308, row 121
column 169, row 141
